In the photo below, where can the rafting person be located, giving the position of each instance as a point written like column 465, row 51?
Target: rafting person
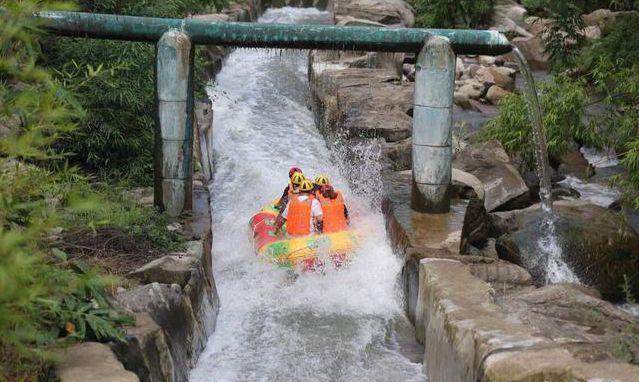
column 302, row 214
column 320, row 180
column 334, row 211
column 295, row 177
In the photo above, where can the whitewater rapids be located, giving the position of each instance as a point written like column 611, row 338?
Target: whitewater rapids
column 339, row 326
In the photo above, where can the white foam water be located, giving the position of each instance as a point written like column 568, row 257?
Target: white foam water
column 595, row 193
column 335, row 326
column 551, row 253
column 599, row 158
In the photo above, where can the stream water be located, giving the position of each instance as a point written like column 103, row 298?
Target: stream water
column 550, row 251
column 342, row 325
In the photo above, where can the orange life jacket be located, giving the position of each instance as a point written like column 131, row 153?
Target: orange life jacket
column 333, row 213
column 298, row 221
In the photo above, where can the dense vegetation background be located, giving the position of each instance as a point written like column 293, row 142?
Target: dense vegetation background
column 113, row 81
column 74, row 114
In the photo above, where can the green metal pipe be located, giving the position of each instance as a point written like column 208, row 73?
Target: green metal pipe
column 294, row 36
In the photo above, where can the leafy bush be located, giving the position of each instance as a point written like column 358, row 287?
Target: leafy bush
column 45, row 299
column 547, row 8
column 619, row 44
column 452, row 13
column 563, row 40
column 562, row 101
column 114, row 84
column 597, row 109
column 118, row 210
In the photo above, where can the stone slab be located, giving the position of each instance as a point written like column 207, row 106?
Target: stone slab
column 91, row 361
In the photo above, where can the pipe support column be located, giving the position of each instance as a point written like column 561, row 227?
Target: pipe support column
column 174, row 125
column 432, row 126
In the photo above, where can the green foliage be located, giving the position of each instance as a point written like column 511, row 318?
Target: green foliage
column 562, row 100
column 629, row 298
column 619, row 45
column 115, row 138
column 548, row 8
column 45, row 299
column 452, row 13
column 563, row 39
column 597, row 109
column 118, row 210
column 114, row 83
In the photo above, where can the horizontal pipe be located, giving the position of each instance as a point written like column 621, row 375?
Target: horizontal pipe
column 295, row 36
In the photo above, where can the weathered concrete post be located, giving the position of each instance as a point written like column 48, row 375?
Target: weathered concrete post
column 432, row 126
column 174, row 125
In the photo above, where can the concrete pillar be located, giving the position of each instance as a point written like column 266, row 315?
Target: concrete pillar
column 174, row 125
column 432, row 126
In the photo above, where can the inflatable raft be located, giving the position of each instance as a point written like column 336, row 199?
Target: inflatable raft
column 305, row 253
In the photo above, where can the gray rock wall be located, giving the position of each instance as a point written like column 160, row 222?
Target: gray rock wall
column 175, row 309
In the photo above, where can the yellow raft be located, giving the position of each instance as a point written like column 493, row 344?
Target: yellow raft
column 306, row 253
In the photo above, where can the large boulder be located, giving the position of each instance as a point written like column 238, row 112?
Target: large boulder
column 463, row 180
column 489, row 162
column 537, row 25
column 387, row 12
column 471, row 89
column 372, row 103
column 590, row 328
column 91, row 361
column 146, row 351
column 598, row 17
column 500, row 76
column 602, row 17
column 495, row 94
column 572, row 162
column 462, row 100
column 168, row 306
column 509, row 16
column 532, row 48
column 592, row 33
column 595, row 243
column 472, row 338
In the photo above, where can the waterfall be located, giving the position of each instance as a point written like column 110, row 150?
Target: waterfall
column 550, row 252
column 539, row 136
